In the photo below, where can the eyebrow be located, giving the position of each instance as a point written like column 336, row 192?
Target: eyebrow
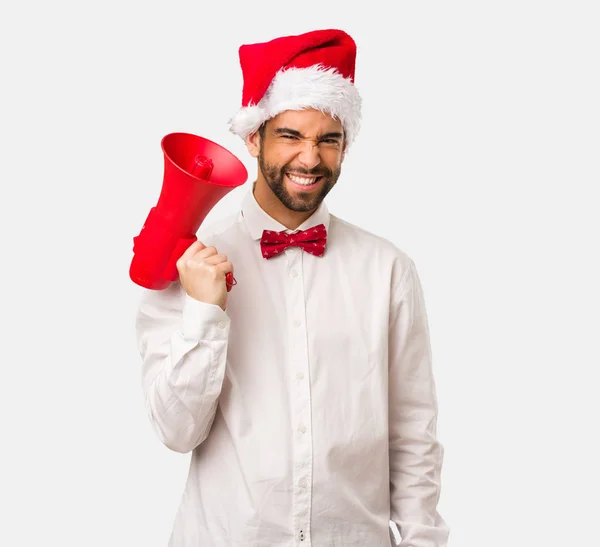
column 296, row 133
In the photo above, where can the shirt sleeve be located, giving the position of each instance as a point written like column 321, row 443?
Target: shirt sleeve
column 183, row 346
column 415, row 452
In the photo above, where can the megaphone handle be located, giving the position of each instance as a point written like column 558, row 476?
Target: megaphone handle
column 171, row 272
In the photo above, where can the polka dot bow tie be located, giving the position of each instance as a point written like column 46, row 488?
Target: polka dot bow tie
column 312, row 240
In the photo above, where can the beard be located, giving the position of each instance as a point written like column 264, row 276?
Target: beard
column 302, row 201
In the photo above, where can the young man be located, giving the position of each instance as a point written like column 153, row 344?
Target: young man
column 306, row 394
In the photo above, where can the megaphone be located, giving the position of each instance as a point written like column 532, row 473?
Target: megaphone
column 198, row 173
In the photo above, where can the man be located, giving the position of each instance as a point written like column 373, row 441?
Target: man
column 305, row 394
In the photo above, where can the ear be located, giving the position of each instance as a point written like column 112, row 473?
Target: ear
column 344, row 149
column 253, row 144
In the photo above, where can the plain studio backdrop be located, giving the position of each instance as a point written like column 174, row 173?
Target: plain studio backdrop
column 479, row 156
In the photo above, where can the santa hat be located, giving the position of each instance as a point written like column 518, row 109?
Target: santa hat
column 311, row 70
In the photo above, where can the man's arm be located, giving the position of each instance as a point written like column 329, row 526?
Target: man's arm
column 183, row 345
column 415, row 453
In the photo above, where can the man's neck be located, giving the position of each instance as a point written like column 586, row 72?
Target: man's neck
column 271, row 205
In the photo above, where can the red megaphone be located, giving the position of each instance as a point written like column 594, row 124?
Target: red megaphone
column 197, row 174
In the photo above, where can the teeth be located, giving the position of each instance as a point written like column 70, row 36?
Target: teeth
column 305, row 181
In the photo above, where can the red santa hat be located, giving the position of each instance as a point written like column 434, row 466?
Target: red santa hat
column 311, row 70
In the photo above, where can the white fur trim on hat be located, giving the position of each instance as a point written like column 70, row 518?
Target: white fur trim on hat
column 316, row 87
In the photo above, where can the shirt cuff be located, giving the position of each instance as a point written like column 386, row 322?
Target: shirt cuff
column 202, row 321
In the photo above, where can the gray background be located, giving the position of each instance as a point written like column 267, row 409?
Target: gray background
column 478, row 156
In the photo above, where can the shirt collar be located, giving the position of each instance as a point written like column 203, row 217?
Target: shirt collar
column 258, row 220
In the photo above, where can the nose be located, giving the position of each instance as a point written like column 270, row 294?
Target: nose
column 309, row 156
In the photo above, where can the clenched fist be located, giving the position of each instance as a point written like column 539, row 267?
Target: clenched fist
column 202, row 273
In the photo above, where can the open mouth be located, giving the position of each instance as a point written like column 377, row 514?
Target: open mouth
column 304, row 182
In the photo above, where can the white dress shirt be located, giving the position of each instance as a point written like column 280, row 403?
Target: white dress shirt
column 309, row 405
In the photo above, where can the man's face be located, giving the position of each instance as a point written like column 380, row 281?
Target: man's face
column 299, row 156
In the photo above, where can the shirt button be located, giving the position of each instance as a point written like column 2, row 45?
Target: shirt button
column 294, row 273
column 296, row 323
column 222, row 325
column 300, row 376
column 303, row 482
column 302, row 428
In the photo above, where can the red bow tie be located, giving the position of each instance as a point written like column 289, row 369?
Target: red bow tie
column 312, row 241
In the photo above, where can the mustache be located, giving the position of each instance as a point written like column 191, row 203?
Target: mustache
column 322, row 172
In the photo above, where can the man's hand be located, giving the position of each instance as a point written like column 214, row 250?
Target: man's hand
column 202, row 271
